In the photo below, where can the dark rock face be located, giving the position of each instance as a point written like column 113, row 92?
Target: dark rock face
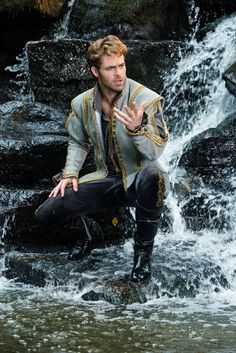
column 212, row 153
column 147, row 19
column 58, row 69
column 230, row 79
column 33, row 143
column 212, row 9
column 210, row 164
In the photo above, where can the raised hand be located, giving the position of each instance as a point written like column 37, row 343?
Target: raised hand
column 133, row 119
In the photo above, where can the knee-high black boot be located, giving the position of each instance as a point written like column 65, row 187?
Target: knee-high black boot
column 147, row 226
column 94, row 236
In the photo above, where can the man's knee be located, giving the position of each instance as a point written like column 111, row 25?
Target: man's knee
column 40, row 215
column 148, row 178
column 45, row 212
column 150, row 188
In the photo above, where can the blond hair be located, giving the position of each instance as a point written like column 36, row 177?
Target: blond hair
column 105, row 46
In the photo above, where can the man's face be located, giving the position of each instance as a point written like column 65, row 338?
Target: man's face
column 111, row 74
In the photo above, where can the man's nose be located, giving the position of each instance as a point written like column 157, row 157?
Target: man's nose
column 118, row 71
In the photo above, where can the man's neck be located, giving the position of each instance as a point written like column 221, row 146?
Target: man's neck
column 108, row 98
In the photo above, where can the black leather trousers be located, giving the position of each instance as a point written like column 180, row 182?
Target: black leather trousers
column 147, row 191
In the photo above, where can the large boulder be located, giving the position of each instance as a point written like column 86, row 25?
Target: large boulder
column 58, row 70
column 230, row 79
column 210, row 164
column 211, row 154
column 33, row 143
column 145, row 19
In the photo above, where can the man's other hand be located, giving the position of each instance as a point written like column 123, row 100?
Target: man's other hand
column 60, row 188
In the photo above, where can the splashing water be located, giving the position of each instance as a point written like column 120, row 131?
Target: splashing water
column 196, row 101
column 22, row 77
column 195, row 92
column 62, row 32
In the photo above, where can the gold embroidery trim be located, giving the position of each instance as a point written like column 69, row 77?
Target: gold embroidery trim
column 99, row 142
column 161, row 190
column 119, row 156
column 134, row 95
column 109, row 147
column 68, row 120
column 155, row 101
column 157, row 139
column 86, row 111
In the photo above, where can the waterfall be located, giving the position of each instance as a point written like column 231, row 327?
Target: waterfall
column 195, row 91
column 193, row 16
column 21, row 77
column 62, row 31
column 196, row 101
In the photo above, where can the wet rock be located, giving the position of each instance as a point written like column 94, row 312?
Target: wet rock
column 189, row 281
column 117, row 292
column 211, row 154
column 230, row 79
column 18, row 25
column 21, row 270
column 53, row 269
column 204, row 12
column 154, row 60
column 9, row 90
column 156, row 19
column 58, row 69
column 208, row 210
column 33, row 143
column 210, row 164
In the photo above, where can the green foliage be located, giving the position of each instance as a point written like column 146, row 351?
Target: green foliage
column 16, row 6
column 123, row 10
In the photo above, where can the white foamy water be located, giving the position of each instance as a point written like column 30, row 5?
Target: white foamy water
column 62, row 31
column 196, row 97
column 197, row 100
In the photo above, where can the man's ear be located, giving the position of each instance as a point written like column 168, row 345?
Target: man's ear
column 94, row 71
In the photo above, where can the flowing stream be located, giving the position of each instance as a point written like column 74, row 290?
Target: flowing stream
column 194, row 309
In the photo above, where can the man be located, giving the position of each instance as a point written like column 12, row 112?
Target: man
column 123, row 121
